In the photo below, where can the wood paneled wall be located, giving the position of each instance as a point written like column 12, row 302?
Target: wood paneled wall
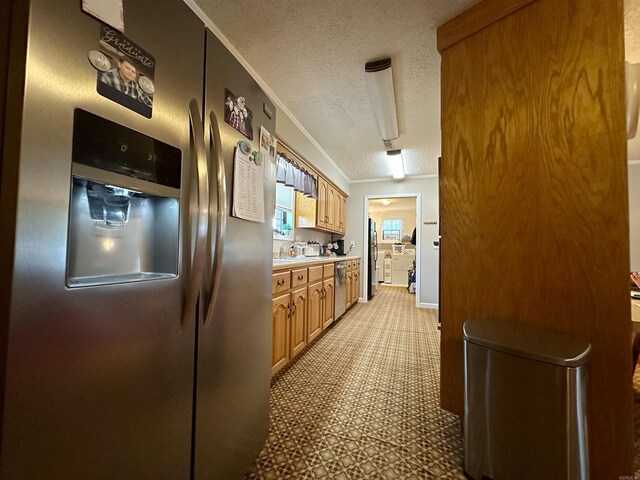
column 534, row 206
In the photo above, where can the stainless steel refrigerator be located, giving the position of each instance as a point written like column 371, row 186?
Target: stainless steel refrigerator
column 134, row 309
column 372, row 281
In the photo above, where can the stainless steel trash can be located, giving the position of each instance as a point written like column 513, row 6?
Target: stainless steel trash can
column 525, row 412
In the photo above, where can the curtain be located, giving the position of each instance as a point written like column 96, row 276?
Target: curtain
column 292, row 175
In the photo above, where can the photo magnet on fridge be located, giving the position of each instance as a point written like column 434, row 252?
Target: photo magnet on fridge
column 125, row 71
column 237, row 114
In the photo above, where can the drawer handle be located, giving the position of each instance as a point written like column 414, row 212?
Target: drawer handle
column 300, row 277
column 281, row 282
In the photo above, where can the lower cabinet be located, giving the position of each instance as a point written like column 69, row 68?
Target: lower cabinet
column 348, row 288
column 279, row 332
column 315, row 310
column 355, row 287
column 298, row 337
column 327, row 302
column 302, row 307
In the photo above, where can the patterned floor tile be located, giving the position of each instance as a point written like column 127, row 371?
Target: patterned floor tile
column 363, row 401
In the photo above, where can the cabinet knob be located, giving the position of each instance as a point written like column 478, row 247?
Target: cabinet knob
column 300, row 277
column 281, row 282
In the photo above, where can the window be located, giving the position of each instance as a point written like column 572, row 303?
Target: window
column 392, row 229
column 283, row 218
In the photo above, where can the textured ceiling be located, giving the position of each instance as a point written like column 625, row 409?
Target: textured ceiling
column 312, row 54
column 632, row 52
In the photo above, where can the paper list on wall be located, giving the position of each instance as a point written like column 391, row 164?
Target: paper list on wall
column 248, row 188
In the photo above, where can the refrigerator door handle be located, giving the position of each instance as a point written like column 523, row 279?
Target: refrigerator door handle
column 199, row 170
column 218, row 246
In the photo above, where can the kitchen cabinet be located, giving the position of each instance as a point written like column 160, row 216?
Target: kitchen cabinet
column 315, row 310
column 328, row 212
column 330, row 208
column 349, row 287
column 353, row 283
column 298, row 277
column 303, row 306
column 298, row 321
column 305, row 213
column 322, row 216
column 341, row 214
column 355, row 286
column 327, row 302
column 279, row 332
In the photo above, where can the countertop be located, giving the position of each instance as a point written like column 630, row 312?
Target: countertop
column 635, row 314
column 309, row 261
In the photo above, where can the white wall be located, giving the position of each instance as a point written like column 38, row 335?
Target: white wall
column 428, row 187
column 408, row 217
column 634, row 215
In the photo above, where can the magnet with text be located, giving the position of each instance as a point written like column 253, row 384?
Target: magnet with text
column 124, row 71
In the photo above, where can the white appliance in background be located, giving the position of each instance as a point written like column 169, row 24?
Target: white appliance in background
column 400, row 266
column 119, row 360
column 387, row 270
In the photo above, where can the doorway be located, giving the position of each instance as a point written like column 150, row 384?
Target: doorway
column 395, row 216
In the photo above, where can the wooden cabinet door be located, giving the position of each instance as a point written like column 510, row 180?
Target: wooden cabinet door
column 314, row 318
column 298, row 337
column 323, row 195
column 343, row 215
column 330, row 208
column 337, row 211
column 305, row 211
column 355, row 292
column 279, row 332
column 327, row 302
column 349, row 287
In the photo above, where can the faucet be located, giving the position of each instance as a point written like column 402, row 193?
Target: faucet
column 285, row 246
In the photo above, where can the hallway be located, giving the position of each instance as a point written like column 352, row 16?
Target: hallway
column 363, row 401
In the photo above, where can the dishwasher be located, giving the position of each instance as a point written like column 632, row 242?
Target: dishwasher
column 340, row 285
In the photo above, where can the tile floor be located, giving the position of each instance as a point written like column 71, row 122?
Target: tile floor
column 362, row 401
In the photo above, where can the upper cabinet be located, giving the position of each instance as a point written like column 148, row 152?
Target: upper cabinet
column 328, row 212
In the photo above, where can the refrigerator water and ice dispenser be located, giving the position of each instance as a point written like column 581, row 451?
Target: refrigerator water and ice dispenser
column 124, row 214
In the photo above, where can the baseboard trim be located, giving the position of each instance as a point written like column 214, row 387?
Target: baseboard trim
column 428, row 305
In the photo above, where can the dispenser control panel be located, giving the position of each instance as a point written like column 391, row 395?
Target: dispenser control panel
column 106, row 145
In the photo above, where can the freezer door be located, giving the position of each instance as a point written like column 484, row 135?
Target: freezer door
column 98, row 379
column 234, row 348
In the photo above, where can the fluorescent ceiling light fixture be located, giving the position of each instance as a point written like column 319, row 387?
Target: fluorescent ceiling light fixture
column 380, row 82
column 397, row 166
column 386, row 202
